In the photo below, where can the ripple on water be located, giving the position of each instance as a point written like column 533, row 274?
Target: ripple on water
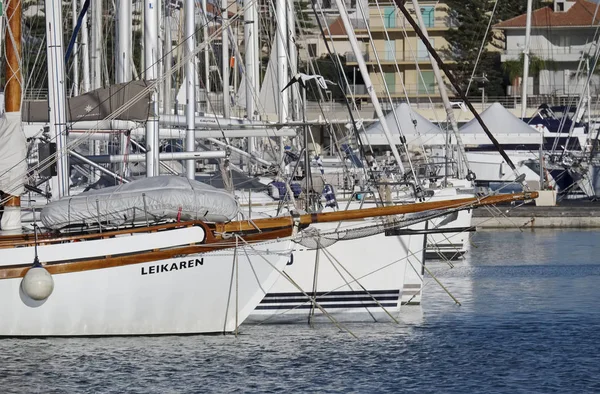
column 529, row 323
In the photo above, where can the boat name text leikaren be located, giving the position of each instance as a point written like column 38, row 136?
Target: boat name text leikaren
column 158, row 269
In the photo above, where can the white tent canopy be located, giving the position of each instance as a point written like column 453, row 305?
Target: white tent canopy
column 423, row 132
column 499, row 121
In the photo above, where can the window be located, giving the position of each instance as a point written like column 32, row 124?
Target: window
column 312, row 50
column 390, row 50
column 428, row 16
column 422, row 52
column 426, row 83
column 390, row 81
column 389, row 17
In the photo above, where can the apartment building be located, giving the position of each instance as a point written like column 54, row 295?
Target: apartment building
column 561, row 35
column 394, row 54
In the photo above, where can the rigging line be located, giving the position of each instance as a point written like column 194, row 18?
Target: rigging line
column 453, row 81
column 331, row 259
column 483, row 41
column 314, row 64
column 341, row 76
column 404, row 88
column 82, row 13
column 151, row 86
column 582, row 98
column 314, row 301
column 403, row 145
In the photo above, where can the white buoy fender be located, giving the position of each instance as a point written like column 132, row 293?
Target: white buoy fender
column 37, row 283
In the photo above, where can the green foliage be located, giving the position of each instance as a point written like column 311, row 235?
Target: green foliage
column 471, row 18
column 325, row 67
column 304, row 23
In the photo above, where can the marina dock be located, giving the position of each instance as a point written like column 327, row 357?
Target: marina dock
column 569, row 214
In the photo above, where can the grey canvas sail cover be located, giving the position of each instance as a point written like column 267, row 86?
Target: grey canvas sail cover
column 98, row 104
column 13, row 151
column 164, row 197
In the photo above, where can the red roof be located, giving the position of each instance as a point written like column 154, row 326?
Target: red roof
column 580, row 14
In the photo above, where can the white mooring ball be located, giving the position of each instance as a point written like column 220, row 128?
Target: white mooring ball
column 37, row 283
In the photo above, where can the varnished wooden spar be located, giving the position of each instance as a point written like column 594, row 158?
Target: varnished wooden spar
column 259, row 230
column 339, row 216
column 211, row 244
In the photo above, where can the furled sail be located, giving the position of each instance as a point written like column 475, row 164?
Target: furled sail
column 156, row 198
column 98, row 104
column 13, row 151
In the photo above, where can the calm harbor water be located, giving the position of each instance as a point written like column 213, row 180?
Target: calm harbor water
column 529, row 322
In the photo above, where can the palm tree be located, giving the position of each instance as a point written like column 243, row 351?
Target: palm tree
column 514, row 69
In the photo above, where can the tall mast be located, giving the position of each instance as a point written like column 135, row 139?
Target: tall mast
column 96, row 66
column 123, row 58
column 190, row 89
column 123, row 42
column 57, row 99
column 151, row 73
column 282, row 70
column 526, row 60
column 85, row 52
column 225, row 57
column 251, row 57
column 168, row 62
column 75, row 12
column 11, row 219
column 206, row 49
column 96, row 45
column 367, row 80
column 443, row 93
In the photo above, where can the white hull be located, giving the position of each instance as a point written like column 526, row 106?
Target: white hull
column 194, row 293
column 370, row 276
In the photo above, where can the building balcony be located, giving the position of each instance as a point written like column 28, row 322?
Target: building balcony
column 393, row 57
column 395, row 90
column 400, row 24
column 556, row 54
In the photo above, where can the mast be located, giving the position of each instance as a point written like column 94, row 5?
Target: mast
column 250, row 58
column 526, row 60
column 225, row 57
column 57, row 99
column 11, row 200
column 282, row 68
column 74, row 7
column 151, row 73
column 96, row 66
column 367, row 80
column 206, row 49
column 443, row 93
column 123, row 42
column 123, row 56
column 168, row 62
column 85, row 52
column 190, row 88
column 452, row 80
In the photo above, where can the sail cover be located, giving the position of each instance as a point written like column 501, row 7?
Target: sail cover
column 98, row 104
column 13, row 151
column 157, row 198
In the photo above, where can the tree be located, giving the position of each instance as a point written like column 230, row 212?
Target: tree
column 514, row 69
column 471, row 18
column 471, row 21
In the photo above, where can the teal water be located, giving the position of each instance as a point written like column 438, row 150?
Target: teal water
column 529, row 323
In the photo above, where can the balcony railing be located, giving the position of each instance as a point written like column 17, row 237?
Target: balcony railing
column 556, row 53
column 396, row 89
column 389, row 57
column 399, row 22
